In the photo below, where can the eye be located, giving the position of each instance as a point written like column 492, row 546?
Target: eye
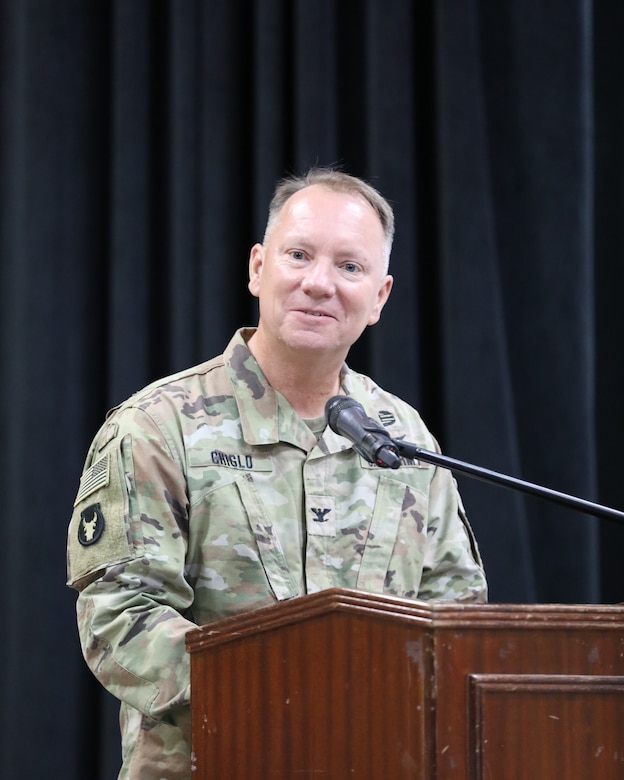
column 351, row 268
column 297, row 254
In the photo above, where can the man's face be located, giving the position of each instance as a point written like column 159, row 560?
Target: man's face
column 320, row 274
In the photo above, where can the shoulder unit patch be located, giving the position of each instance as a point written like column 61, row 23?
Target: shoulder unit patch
column 91, row 525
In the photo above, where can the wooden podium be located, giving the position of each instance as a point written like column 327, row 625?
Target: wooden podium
column 344, row 684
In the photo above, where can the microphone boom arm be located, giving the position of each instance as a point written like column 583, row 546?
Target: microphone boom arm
column 408, row 450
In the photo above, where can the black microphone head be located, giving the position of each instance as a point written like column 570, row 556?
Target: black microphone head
column 369, row 439
column 334, row 406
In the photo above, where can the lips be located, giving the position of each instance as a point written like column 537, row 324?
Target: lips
column 314, row 313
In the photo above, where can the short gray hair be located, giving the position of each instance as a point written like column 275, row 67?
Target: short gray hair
column 337, row 181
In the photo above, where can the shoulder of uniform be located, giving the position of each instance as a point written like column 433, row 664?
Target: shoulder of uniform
column 397, row 415
column 173, row 383
column 175, row 391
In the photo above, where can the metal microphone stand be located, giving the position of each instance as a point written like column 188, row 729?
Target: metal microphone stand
column 408, row 450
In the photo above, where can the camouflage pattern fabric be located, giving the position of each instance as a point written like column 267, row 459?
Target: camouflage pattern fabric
column 205, row 495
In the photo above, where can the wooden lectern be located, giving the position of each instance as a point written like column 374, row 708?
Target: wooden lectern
column 344, row 684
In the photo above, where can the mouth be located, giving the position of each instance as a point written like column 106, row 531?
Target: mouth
column 314, row 313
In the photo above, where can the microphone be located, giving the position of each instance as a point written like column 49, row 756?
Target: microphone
column 346, row 417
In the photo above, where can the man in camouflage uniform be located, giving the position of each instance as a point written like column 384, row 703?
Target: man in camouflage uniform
column 220, row 489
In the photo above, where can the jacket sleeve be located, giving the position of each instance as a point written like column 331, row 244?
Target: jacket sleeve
column 127, row 543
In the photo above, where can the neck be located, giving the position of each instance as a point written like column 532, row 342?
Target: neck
column 308, row 398
column 307, row 381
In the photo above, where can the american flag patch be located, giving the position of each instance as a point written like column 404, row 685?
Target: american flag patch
column 95, row 478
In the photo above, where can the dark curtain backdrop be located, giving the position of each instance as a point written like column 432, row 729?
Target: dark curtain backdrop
column 139, row 144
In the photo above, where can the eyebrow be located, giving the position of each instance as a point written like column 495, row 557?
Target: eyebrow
column 305, row 243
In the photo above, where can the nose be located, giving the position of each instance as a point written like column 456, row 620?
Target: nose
column 318, row 279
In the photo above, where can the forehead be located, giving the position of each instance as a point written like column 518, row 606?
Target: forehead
column 332, row 208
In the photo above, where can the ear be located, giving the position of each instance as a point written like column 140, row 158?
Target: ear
column 382, row 296
column 256, row 262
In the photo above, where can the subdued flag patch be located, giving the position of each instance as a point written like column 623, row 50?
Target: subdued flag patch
column 94, row 478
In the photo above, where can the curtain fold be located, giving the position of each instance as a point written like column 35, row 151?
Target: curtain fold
column 517, row 260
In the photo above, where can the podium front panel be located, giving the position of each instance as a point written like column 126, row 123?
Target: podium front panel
column 343, row 693
column 343, row 684
column 530, row 692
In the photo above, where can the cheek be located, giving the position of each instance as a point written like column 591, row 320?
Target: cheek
column 260, row 282
column 271, row 294
column 367, row 307
column 277, row 285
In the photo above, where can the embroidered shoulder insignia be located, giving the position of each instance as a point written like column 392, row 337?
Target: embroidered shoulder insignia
column 387, row 418
column 91, row 525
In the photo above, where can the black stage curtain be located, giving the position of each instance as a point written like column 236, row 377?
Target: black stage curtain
column 139, row 144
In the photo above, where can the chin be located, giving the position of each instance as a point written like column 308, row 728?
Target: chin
column 311, row 342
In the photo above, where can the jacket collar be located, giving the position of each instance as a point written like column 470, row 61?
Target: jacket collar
column 266, row 417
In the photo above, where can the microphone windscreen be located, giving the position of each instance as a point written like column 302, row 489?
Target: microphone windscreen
column 335, row 406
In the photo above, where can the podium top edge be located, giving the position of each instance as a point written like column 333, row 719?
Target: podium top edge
column 433, row 614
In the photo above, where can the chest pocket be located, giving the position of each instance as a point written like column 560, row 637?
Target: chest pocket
column 268, row 543
column 394, row 501
column 231, row 527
